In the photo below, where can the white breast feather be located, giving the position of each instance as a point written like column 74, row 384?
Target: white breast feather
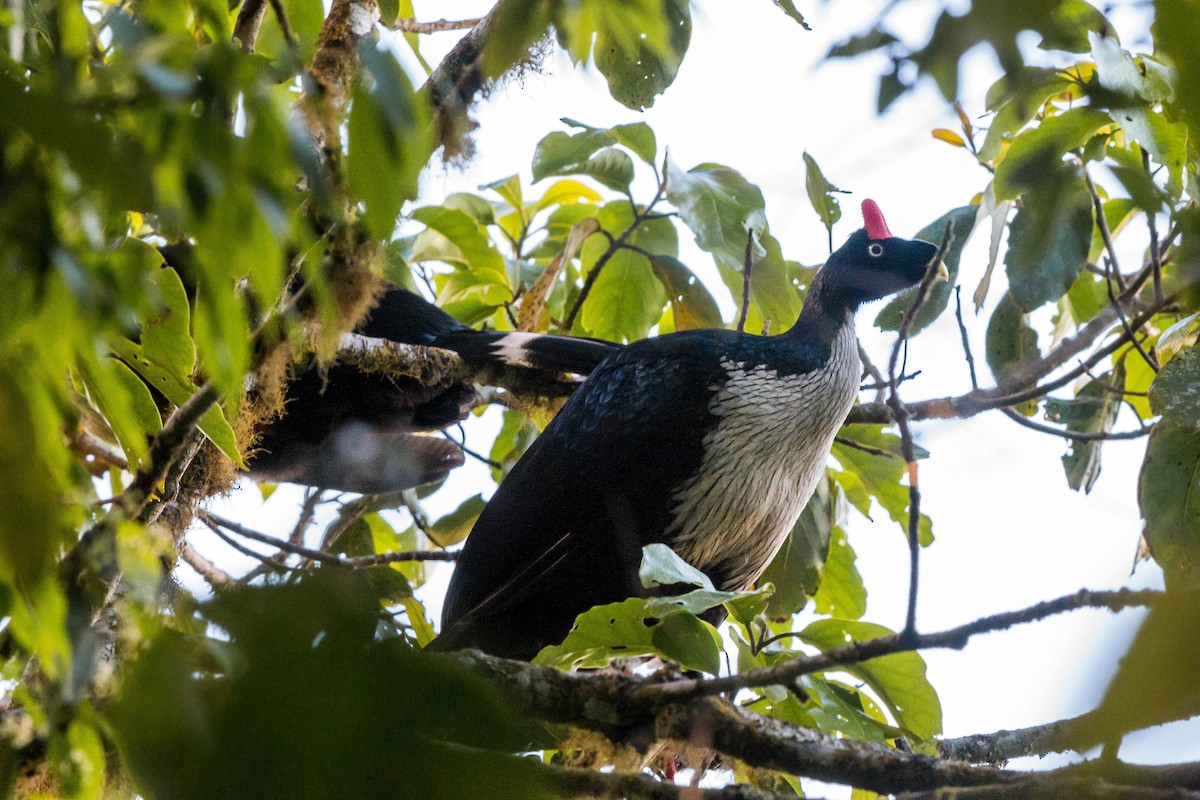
column 762, row 462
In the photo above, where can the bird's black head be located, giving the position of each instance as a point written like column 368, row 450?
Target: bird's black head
column 873, row 263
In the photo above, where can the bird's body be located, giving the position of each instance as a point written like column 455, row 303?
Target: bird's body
column 710, row 441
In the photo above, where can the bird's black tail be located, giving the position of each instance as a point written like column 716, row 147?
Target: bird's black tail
column 532, row 350
column 405, row 317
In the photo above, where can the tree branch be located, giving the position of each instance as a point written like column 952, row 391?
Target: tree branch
column 409, row 25
column 213, row 521
column 1010, row 391
column 786, row 672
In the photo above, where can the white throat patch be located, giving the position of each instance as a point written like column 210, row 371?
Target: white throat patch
column 762, row 461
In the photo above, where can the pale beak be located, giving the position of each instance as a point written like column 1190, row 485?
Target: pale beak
column 942, row 273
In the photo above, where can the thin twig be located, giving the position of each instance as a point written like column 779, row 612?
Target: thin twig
column 266, row 560
column 285, row 27
column 1007, row 391
column 785, row 672
column 1151, row 223
column 249, row 22
column 217, row 578
column 615, row 244
column 870, row 369
column 410, row 25
column 1105, row 235
column 747, row 267
column 1078, row 436
column 1113, row 270
column 962, row 332
column 906, row 440
column 879, row 387
column 214, row 521
column 866, row 448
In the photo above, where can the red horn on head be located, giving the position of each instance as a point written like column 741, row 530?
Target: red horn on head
column 874, row 223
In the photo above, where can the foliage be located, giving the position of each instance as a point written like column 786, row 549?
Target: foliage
column 185, row 214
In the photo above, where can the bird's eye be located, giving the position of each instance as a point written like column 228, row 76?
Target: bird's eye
column 875, row 249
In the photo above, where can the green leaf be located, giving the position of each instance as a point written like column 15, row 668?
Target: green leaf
column 840, row 709
column 124, row 400
column 1175, row 392
column 878, row 476
column 1094, row 410
column 1180, row 335
column 841, row 593
column 689, row 640
column 898, row 679
column 165, row 359
column 698, row 601
column 1169, row 497
column 691, row 303
column 722, row 208
column 389, row 141
column 166, row 338
column 1156, row 679
column 640, row 69
column 1118, row 212
column 517, row 432
column 78, row 760
column 112, row 164
column 508, row 188
column 464, row 233
column 1015, row 98
column 454, row 527
column 661, row 566
column 962, row 223
column 789, row 8
column 561, row 153
column 821, row 195
column 627, row 298
column 1048, row 242
column 639, row 138
column 421, row 723
column 796, row 569
column 1010, row 344
column 1036, row 156
column 616, row 630
column 610, row 167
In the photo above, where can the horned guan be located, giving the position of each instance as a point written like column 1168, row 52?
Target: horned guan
column 708, row 440
column 361, row 431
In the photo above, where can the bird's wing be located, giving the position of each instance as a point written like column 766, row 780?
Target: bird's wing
column 596, row 484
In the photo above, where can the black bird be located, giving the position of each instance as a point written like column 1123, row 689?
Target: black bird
column 708, row 440
column 344, row 428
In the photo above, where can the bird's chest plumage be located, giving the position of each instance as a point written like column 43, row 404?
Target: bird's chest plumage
column 761, row 461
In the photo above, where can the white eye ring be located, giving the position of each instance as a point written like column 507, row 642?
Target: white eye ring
column 875, row 249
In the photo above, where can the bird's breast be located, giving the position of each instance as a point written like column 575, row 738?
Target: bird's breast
column 761, row 462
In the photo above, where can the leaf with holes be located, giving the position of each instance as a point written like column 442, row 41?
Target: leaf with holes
column 691, row 303
column 1175, row 392
column 1094, row 410
column 639, row 70
column 1169, row 497
column 1010, row 344
column 616, row 630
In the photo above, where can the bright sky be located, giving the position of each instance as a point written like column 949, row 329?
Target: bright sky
column 751, row 95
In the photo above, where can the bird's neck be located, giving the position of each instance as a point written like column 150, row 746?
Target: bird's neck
column 826, row 312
